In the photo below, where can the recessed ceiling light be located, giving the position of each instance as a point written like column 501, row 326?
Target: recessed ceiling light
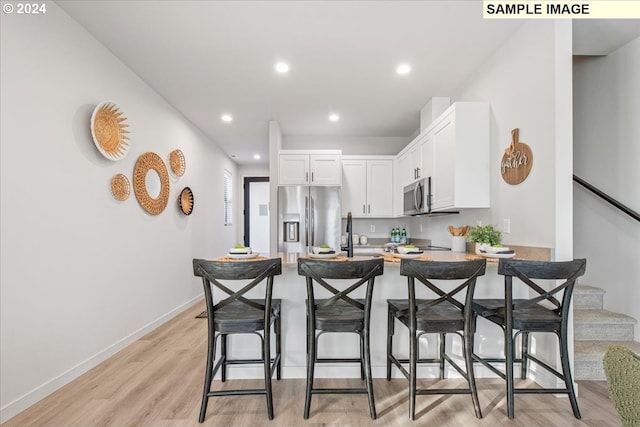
column 334, row 117
column 256, row 156
column 226, row 118
column 282, row 67
column 403, row 69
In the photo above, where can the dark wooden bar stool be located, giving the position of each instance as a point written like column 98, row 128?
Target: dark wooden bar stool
column 525, row 316
column 442, row 315
column 339, row 313
column 236, row 314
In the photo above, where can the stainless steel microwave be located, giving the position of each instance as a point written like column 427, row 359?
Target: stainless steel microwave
column 416, row 198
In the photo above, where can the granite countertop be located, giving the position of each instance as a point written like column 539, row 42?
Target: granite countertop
column 522, row 252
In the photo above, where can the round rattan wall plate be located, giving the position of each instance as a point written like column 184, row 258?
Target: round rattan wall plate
column 144, row 164
column 120, row 187
column 185, row 201
column 109, row 131
column 177, row 162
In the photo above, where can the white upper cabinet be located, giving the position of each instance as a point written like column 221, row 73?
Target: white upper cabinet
column 461, row 160
column 367, row 186
column 454, row 155
column 410, row 164
column 309, row 169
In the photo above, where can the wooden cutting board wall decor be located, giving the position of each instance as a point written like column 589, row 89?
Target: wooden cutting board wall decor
column 517, row 160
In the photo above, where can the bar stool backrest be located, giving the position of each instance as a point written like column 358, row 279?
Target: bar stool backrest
column 425, row 271
column 213, row 271
column 525, row 271
column 318, row 270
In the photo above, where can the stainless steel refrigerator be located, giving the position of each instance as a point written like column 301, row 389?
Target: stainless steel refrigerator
column 308, row 216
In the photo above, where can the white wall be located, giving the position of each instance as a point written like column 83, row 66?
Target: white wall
column 353, row 145
column 606, row 154
column 518, row 81
column 82, row 274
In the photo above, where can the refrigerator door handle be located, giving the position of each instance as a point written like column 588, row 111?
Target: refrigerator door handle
column 306, row 223
column 312, row 224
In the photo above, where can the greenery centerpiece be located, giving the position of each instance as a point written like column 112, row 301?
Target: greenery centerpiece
column 484, row 236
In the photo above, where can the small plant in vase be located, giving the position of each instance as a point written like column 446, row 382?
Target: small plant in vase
column 485, row 236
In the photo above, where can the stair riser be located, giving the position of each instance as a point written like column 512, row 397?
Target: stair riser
column 591, row 371
column 603, row 332
column 588, row 301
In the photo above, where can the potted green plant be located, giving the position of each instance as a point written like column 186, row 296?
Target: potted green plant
column 484, row 236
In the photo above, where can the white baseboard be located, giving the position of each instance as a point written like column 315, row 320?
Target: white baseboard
column 18, row 405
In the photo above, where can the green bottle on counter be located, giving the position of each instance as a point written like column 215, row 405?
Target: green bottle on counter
column 403, row 236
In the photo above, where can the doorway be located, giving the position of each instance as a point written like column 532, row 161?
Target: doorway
column 256, row 213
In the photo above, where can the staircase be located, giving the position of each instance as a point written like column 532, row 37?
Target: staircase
column 594, row 330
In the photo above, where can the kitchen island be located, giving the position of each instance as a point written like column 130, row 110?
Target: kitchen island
column 291, row 289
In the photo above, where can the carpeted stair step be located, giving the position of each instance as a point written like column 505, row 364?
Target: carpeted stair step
column 601, row 325
column 585, row 297
column 588, row 357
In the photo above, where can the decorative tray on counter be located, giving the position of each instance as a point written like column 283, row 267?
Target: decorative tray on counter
column 502, row 252
column 243, row 256
column 408, row 255
column 323, row 255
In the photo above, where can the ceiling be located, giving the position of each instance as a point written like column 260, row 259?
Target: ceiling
column 207, row 58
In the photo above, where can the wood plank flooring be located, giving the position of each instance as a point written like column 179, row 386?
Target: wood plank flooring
column 157, row 381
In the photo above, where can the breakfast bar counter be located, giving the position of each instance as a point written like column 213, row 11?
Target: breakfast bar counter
column 291, row 289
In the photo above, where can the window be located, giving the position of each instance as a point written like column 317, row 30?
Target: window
column 228, row 198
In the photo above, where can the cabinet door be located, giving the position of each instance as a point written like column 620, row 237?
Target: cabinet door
column 416, row 162
column 442, row 183
column 325, row 169
column 294, row 169
column 405, row 172
column 427, row 156
column 380, row 188
column 354, row 187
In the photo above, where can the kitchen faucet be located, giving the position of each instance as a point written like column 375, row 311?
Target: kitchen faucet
column 349, row 236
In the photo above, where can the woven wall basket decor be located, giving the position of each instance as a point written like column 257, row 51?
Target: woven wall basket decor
column 144, row 164
column 109, row 131
column 120, row 187
column 185, row 201
column 177, row 162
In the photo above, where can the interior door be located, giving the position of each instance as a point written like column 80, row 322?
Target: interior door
column 256, row 214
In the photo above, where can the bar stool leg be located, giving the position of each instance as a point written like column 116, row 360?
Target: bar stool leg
column 311, row 361
column 208, row 376
column 509, row 356
column 524, row 365
column 566, row 371
column 266, row 357
column 362, row 359
column 223, row 350
column 467, row 347
column 390, row 331
column 443, row 344
column 413, row 350
column 278, row 328
column 369, row 381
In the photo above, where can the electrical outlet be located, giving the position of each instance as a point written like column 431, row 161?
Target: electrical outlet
column 421, row 228
column 372, row 229
column 478, row 222
column 506, row 226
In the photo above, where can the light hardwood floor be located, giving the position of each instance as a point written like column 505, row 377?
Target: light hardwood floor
column 157, row 381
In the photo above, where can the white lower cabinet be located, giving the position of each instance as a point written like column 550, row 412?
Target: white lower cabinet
column 367, row 187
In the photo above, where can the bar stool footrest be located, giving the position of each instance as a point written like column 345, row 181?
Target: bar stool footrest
column 236, row 392
column 423, row 391
column 339, row 391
